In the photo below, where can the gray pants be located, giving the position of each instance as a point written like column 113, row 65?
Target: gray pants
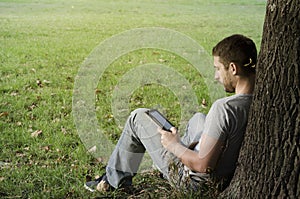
column 140, row 134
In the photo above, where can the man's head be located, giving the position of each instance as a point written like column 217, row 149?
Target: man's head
column 235, row 55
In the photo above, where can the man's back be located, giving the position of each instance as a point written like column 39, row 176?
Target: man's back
column 226, row 121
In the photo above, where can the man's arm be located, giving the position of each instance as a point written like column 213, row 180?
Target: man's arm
column 207, row 157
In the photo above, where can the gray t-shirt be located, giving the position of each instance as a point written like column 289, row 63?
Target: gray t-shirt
column 227, row 121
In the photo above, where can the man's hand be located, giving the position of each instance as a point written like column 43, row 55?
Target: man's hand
column 169, row 140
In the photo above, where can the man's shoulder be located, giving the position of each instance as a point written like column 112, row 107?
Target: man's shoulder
column 234, row 100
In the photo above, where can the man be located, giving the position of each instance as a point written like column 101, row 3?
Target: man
column 210, row 147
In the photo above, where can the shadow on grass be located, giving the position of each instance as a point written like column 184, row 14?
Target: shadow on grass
column 152, row 185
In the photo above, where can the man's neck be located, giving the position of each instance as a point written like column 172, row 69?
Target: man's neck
column 245, row 85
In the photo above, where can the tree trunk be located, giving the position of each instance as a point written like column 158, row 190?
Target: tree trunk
column 269, row 162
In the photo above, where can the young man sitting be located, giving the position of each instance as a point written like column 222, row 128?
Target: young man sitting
column 210, row 147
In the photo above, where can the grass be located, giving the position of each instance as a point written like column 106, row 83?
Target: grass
column 43, row 44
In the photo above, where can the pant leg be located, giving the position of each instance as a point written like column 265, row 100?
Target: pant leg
column 178, row 175
column 194, row 129
column 139, row 134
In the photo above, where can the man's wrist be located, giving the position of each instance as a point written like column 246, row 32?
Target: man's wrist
column 178, row 149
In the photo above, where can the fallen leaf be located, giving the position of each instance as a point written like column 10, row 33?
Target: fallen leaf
column 30, row 129
column 93, row 149
column 97, row 91
column 20, row 155
column 64, row 131
column 162, row 60
column 58, row 160
column 36, row 133
column 46, row 148
column 70, row 79
column 32, row 106
column 39, row 83
column 3, row 114
column 46, row 81
column 14, row 94
column 56, row 120
column 4, row 165
column 100, row 159
column 203, row 103
column 38, row 97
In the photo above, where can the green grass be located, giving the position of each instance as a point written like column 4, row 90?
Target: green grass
column 43, row 44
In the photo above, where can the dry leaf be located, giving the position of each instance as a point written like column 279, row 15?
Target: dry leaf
column 93, row 149
column 20, row 155
column 4, row 165
column 38, row 97
column 3, row 114
column 39, row 83
column 36, row 133
column 203, row 103
column 46, row 81
column 70, row 79
column 100, row 159
column 161, row 60
column 97, row 91
column 14, row 94
column 32, row 106
column 46, row 148
column 56, row 120
column 64, row 131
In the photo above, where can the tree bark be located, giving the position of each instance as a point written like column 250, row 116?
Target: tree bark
column 269, row 162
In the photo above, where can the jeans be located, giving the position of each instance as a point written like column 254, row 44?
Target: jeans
column 140, row 134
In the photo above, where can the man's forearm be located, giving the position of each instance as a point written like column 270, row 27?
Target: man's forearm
column 188, row 157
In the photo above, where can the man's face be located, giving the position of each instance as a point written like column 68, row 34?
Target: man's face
column 224, row 76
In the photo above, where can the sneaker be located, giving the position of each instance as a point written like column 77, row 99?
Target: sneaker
column 100, row 184
column 103, row 185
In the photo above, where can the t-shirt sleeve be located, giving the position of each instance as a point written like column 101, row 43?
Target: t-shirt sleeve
column 217, row 121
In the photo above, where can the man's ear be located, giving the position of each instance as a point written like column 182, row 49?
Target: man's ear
column 233, row 68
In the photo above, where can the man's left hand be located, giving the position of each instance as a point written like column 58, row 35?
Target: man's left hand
column 169, row 140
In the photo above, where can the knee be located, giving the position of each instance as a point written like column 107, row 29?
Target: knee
column 138, row 114
column 139, row 111
column 197, row 120
column 199, row 117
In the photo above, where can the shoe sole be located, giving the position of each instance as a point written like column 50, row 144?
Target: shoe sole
column 88, row 188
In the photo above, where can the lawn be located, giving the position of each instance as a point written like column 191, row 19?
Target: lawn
column 45, row 44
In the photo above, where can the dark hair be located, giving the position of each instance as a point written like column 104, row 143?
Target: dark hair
column 237, row 49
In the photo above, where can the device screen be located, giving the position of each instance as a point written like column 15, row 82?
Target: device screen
column 160, row 119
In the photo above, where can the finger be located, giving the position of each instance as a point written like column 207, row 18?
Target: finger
column 173, row 130
column 162, row 131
